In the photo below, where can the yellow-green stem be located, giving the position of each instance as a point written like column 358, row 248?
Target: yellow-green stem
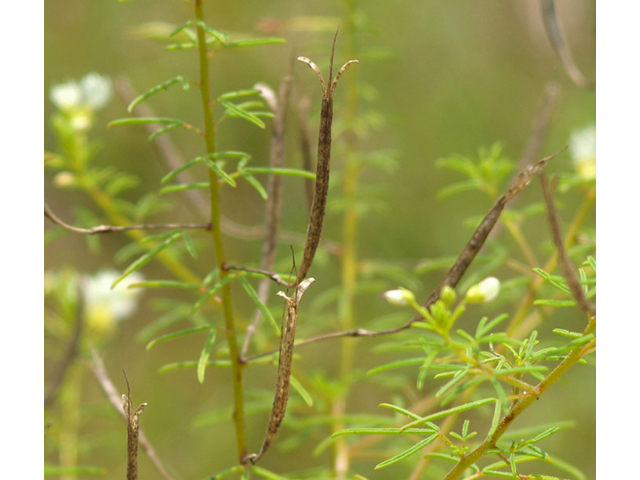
column 227, row 305
column 349, row 249
column 70, row 419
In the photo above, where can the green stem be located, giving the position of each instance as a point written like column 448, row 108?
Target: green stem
column 227, row 305
column 349, row 258
column 520, row 406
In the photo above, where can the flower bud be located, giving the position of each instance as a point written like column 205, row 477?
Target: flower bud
column 400, row 297
column 448, row 295
column 483, row 292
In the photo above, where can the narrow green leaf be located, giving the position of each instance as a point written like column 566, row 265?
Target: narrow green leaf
column 183, row 187
column 555, row 303
column 211, row 291
column 173, row 335
column 204, row 355
column 400, row 410
column 238, row 93
column 254, row 42
column 143, row 120
column 227, row 472
column 543, row 435
column 177, row 30
column 253, row 181
column 180, row 46
column 189, row 244
column 381, row 431
column 216, row 168
column 181, row 365
column 407, row 452
column 566, row 333
column 234, row 110
column 298, row 387
column 229, row 153
column 164, row 130
column 294, row 172
column 179, row 170
column 221, row 37
column 152, row 91
column 450, row 411
column 266, row 473
column 397, row 364
column 164, row 284
column 261, row 306
column 211, row 276
column 144, row 259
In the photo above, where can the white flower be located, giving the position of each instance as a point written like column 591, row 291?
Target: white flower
column 93, row 92
column 399, row 297
column 582, row 147
column 484, row 292
column 96, row 90
column 66, row 96
column 105, row 307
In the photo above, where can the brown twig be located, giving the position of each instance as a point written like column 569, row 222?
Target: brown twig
column 100, row 229
column 461, row 265
column 274, row 203
column 100, row 372
column 287, row 339
column 560, row 45
column 565, row 263
column 69, row 357
column 321, row 188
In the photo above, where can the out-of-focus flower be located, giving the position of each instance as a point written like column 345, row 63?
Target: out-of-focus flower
column 483, row 292
column 104, row 307
column 399, row 297
column 64, row 179
column 79, row 100
column 582, row 148
column 93, row 91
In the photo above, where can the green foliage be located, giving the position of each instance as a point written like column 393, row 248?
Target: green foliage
column 452, row 381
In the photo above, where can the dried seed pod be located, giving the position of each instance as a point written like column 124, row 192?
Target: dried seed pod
column 281, row 395
column 321, row 187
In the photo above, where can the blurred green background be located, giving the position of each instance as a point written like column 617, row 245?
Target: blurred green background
column 445, row 76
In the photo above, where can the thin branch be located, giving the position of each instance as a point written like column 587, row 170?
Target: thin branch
column 557, row 39
column 69, row 357
column 112, row 228
column 274, row 203
column 462, row 263
column 100, row 372
column 565, row 263
column 273, row 276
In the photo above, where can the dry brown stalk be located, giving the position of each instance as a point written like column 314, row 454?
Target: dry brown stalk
column 133, row 426
column 565, row 263
column 560, row 45
column 274, row 199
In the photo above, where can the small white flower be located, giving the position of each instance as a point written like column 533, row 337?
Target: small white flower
column 484, row 292
column 582, row 147
column 66, row 96
column 93, row 92
column 64, row 179
column 399, row 297
column 96, row 90
column 105, row 307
